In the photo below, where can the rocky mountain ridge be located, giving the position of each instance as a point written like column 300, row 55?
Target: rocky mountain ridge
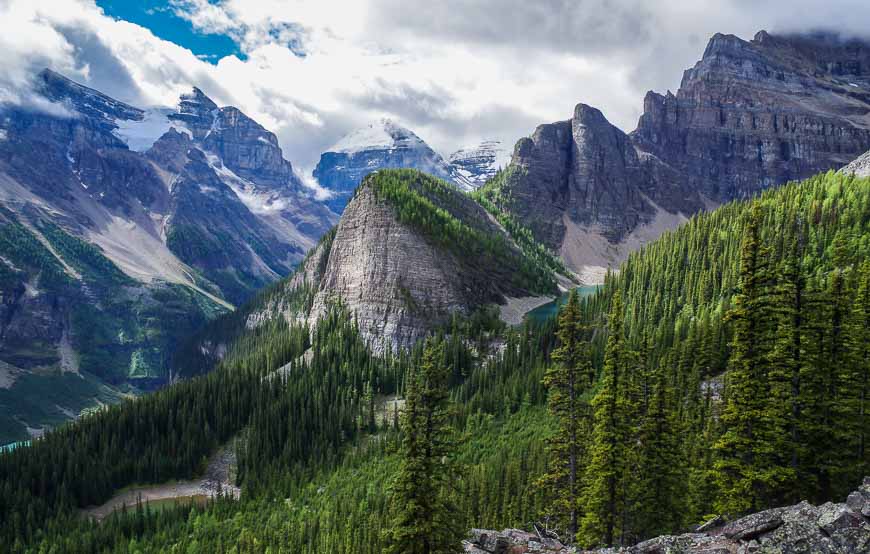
column 749, row 115
column 124, row 229
column 478, row 164
column 832, row 528
column 859, row 167
column 401, row 278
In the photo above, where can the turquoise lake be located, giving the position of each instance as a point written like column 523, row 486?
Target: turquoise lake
column 12, row 446
column 548, row 310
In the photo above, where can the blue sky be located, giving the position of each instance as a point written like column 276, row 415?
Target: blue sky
column 161, row 20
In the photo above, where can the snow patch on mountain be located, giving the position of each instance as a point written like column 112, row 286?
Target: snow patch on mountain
column 258, row 201
column 140, row 135
column 477, row 164
column 380, row 135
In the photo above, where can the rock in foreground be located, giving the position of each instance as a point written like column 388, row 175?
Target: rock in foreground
column 831, row 528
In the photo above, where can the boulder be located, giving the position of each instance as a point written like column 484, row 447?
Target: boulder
column 802, row 528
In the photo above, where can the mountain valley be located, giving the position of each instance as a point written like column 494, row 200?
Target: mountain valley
column 201, row 350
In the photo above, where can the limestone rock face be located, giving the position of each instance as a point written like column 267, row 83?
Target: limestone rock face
column 387, row 275
column 749, row 115
column 399, row 282
column 755, row 114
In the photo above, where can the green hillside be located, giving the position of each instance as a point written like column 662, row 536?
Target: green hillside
column 447, row 217
column 59, row 292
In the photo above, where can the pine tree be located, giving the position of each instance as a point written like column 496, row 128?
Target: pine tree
column 785, row 360
column 567, row 380
column 424, row 519
column 603, row 499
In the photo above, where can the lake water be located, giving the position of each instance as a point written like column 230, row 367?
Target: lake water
column 12, row 446
column 550, row 309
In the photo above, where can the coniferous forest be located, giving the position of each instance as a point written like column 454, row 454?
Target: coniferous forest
column 723, row 370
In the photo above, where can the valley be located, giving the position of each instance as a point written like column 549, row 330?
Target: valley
column 597, row 342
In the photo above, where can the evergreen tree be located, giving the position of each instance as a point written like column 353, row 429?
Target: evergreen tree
column 603, row 499
column 424, row 518
column 745, row 465
column 857, row 374
column 567, row 380
column 658, row 501
column 785, row 361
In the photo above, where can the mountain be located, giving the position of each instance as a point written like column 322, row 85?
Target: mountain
column 478, row 164
column 749, row 115
column 384, row 145
column 311, row 412
column 409, row 253
column 127, row 229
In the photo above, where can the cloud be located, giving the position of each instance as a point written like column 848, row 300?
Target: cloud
column 311, row 183
column 455, row 72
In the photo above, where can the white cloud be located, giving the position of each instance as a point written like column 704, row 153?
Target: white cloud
column 454, row 72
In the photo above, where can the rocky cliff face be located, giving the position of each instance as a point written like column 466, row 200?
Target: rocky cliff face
column 123, row 229
column 754, row 114
column 859, row 167
column 400, row 279
column 385, row 145
column 842, row 528
column 749, row 115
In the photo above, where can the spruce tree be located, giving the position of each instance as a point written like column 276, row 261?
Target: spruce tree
column 784, row 378
column 424, row 518
column 658, row 501
column 858, row 373
column 744, row 466
column 567, row 380
column 603, row 500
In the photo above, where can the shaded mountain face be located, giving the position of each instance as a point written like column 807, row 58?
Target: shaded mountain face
column 126, row 229
column 749, row 115
column 409, row 253
column 386, row 145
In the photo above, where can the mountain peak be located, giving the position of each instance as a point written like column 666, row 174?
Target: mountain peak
column 382, row 134
column 195, row 102
column 479, row 163
column 86, row 101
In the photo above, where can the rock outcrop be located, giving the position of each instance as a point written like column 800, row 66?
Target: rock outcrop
column 859, row 167
column 399, row 280
column 832, row 528
column 749, row 115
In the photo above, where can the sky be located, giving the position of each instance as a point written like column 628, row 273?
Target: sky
column 455, row 72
